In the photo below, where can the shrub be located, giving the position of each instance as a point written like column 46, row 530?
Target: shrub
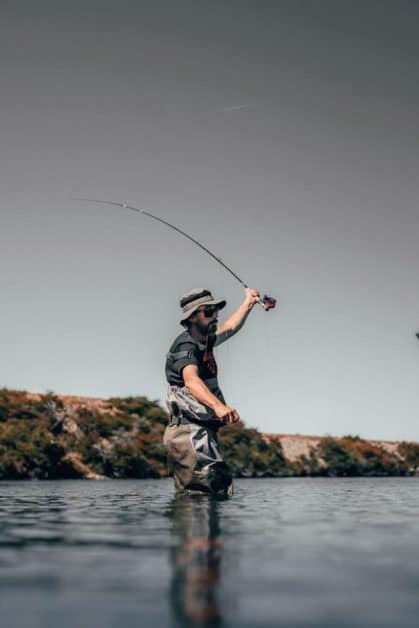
column 28, row 451
column 410, row 453
column 247, row 453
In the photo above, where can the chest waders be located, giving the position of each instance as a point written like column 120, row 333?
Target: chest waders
column 191, row 442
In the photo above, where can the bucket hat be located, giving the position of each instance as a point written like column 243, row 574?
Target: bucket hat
column 194, row 299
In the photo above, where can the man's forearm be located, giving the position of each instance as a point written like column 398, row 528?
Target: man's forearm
column 200, row 391
column 236, row 320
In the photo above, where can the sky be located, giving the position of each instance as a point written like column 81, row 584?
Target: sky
column 282, row 134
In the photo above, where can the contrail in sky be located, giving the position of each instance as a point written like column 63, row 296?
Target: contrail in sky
column 234, row 108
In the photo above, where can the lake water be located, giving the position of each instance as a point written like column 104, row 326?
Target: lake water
column 283, row 552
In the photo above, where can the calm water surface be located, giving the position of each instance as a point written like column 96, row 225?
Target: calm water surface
column 283, row 552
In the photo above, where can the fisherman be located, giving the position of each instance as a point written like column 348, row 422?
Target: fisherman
column 196, row 404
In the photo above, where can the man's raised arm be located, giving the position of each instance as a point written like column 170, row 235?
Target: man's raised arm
column 236, row 321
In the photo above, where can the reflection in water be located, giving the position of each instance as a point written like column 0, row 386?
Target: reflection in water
column 196, row 560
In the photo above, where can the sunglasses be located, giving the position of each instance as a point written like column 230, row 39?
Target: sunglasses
column 209, row 310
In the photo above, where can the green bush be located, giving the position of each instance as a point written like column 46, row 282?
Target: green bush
column 339, row 460
column 248, row 454
column 410, row 452
column 352, row 456
column 28, row 451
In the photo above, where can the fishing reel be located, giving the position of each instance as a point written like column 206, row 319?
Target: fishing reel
column 268, row 303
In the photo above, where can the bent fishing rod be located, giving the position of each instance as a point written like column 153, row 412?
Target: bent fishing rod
column 267, row 302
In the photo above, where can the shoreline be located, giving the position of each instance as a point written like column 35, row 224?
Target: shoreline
column 50, row 436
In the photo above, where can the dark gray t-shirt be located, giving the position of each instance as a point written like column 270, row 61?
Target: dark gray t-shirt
column 186, row 350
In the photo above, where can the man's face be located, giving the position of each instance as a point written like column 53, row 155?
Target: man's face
column 205, row 319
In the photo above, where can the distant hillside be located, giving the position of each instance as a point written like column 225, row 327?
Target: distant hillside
column 49, row 436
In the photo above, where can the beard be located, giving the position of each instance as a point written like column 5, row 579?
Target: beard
column 206, row 329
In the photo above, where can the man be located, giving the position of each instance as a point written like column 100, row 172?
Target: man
column 196, row 404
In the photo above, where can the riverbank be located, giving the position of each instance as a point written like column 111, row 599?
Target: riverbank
column 49, row 436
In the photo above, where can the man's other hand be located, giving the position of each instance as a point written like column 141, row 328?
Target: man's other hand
column 226, row 414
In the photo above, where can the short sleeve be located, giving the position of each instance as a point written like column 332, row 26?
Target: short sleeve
column 188, row 354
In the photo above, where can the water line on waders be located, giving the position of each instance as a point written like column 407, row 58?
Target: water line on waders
column 267, row 302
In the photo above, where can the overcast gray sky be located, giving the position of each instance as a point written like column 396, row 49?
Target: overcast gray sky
column 282, row 134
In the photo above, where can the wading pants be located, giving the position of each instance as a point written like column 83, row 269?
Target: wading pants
column 192, row 449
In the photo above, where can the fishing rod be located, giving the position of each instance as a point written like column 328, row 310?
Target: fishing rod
column 267, row 302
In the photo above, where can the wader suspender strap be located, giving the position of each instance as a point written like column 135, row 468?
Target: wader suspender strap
column 178, row 355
